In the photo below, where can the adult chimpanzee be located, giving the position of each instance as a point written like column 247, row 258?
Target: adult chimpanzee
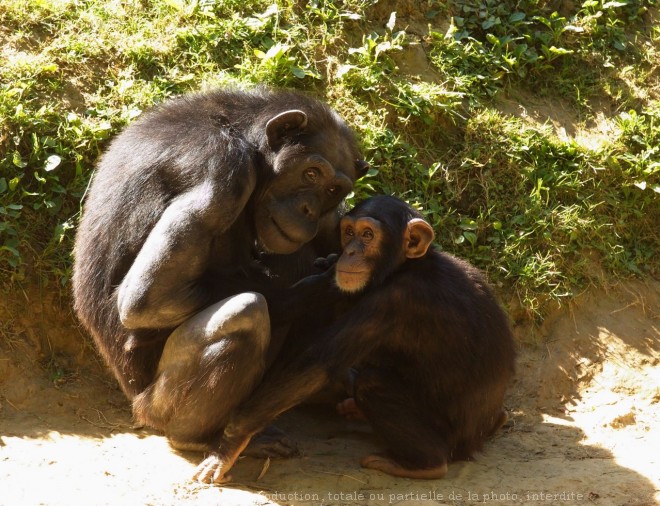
column 182, row 203
column 431, row 351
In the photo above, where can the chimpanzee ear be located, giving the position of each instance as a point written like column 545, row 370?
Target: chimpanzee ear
column 283, row 125
column 361, row 168
column 418, row 237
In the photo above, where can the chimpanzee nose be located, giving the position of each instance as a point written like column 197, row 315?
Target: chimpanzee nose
column 309, row 210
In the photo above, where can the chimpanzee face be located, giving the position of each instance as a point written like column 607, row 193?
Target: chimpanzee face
column 312, row 173
column 374, row 246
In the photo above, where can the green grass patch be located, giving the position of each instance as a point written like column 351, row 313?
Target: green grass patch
column 543, row 214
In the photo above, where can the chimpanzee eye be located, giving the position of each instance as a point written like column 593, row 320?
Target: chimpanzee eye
column 368, row 234
column 349, row 231
column 312, row 174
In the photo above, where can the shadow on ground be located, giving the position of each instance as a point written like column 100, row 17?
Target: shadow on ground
column 583, row 406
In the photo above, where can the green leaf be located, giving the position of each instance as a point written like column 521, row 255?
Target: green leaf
column 490, row 22
column 492, row 39
column 3, row 185
column 277, row 51
column 18, row 161
column 468, row 224
column 516, row 17
column 49, row 67
column 559, row 50
column 175, row 4
column 13, row 183
column 12, row 250
column 298, row 72
column 471, row 236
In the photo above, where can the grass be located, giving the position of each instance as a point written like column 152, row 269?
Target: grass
column 544, row 213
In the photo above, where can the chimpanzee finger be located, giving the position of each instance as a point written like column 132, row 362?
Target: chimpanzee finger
column 327, row 262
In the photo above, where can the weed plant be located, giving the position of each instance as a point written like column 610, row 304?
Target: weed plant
column 542, row 212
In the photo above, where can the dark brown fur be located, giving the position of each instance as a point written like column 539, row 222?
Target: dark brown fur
column 179, row 210
column 432, row 353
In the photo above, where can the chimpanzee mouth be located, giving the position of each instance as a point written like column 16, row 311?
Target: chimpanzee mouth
column 283, row 233
column 351, row 281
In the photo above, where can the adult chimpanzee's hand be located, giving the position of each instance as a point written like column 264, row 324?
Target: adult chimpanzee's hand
column 326, row 264
column 322, row 281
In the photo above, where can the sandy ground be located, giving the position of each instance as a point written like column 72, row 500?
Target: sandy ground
column 585, row 413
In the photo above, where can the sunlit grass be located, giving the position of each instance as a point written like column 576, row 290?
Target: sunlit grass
column 544, row 215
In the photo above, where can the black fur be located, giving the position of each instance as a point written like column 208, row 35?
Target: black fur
column 171, row 226
column 431, row 350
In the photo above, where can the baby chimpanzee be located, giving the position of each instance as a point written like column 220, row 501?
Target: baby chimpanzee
column 442, row 352
column 429, row 349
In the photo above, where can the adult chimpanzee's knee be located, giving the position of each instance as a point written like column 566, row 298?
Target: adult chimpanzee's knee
column 210, row 363
column 181, row 210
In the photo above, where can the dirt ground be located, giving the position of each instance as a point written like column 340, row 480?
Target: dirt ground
column 584, row 409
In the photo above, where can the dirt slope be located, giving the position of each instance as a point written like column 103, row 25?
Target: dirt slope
column 584, row 428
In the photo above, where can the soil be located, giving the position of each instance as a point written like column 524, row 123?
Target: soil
column 583, row 410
